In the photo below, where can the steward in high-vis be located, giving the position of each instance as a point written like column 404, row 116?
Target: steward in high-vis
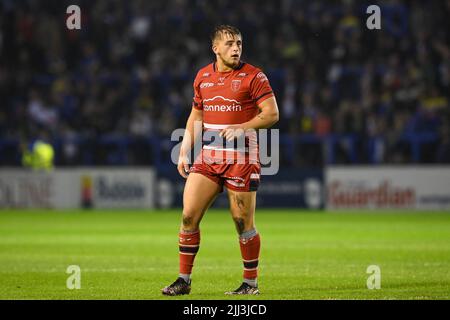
column 39, row 157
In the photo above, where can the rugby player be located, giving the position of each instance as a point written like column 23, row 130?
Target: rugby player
column 232, row 99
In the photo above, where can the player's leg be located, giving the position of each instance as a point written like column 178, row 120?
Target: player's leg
column 242, row 207
column 199, row 193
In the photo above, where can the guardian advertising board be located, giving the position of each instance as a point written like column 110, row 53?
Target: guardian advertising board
column 390, row 187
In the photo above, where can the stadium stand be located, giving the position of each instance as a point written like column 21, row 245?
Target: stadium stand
column 112, row 92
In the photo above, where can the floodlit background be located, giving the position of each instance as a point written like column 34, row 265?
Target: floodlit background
column 86, row 118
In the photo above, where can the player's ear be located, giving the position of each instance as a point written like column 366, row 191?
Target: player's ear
column 214, row 48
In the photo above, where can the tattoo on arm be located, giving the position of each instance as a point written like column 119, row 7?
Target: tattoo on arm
column 260, row 116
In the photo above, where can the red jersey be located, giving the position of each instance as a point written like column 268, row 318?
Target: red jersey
column 228, row 98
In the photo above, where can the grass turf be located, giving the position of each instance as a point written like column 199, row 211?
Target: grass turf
column 304, row 255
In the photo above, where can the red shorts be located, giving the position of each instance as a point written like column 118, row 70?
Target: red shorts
column 235, row 176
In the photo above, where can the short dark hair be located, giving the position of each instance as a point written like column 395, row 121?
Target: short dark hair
column 224, row 29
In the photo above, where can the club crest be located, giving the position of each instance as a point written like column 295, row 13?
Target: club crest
column 235, row 85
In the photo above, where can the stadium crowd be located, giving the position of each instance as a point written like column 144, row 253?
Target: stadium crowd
column 127, row 74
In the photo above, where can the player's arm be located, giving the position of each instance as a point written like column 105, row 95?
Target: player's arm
column 267, row 117
column 190, row 137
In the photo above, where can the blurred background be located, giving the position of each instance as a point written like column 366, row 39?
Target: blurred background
column 110, row 94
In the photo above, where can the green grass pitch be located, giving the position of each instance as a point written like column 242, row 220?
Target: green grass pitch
column 304, row 255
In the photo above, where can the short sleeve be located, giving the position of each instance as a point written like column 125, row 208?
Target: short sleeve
column 260, row 88
column 197, row 101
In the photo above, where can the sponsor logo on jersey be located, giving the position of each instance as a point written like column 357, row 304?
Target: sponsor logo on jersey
column 219, row 103
column 236, row 184
column 206, row 85
column 261, row 76
column 221, row 79
column 206, row 74
column 254, row 176
column 242, row 74
column 235, row 85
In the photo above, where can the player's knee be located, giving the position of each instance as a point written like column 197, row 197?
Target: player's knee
column 240, row 224
column 189, row 221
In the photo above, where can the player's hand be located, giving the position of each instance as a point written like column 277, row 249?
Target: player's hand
column 183, row 166
column 232, row 132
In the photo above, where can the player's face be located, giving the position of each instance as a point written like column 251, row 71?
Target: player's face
column 228, row 49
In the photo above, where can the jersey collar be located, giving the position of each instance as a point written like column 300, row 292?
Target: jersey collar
column 239, row 67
